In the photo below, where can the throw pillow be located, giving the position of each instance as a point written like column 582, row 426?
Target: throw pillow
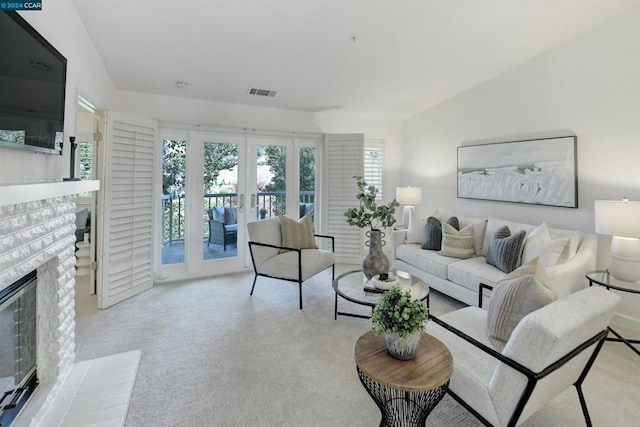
column 518, row 294
column 539, row 244
column 457, row 244
column 297, row 234
column 415, row 228
column 433, row 234
column 433, row 237
column 505, row 250
column 453, row 221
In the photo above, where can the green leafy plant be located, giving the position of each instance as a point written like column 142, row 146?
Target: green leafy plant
column 396, row 313
column 369, row 214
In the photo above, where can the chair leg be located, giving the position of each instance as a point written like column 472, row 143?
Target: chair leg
column 254, row 284
column 583, row 404
column 300, row 290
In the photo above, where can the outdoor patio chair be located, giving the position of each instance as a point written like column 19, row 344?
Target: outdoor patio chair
column 223, row 226
column 292, row 255
column 549, row 350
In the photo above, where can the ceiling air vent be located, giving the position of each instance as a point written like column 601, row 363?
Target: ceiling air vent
column 262, row 92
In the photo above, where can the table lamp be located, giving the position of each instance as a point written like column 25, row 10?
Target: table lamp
column 621, row 219
column 409, row 197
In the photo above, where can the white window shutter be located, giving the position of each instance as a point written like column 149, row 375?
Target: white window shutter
column 344, row 160
column 373, row 163
column 126, row 266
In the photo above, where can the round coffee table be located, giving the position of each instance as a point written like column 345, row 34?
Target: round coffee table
column 405, row 391
column 354, row 287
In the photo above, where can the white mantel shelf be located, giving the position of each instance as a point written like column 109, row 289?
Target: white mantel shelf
column 13, row 194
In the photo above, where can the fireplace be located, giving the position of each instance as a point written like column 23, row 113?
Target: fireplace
column 37, row 232
column 18, row 338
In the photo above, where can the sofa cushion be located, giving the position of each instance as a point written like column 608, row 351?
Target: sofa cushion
column 505, row 250
column 457, row 243
column 429, row 261
column 415, row 228
column 297, row 234
column 539, row 244
column 479, row 225
column 520, row 293
column 473, row 271
column 472, row 368
column 574, row 241
column 285, row 265
column 492, row 226
column 265, row 231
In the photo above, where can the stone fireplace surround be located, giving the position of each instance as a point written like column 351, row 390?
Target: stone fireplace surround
column 39, row 234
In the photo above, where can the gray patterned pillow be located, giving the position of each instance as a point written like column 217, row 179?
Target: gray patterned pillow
column 453, row 221
column 505, row 250
column 433, row 238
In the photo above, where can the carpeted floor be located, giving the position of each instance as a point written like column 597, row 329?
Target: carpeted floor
column 214, row 356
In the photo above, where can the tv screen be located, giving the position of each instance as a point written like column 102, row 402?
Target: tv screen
column 32, row 85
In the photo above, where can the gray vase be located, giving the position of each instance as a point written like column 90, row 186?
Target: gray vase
column 403, row 348
column 375, row 262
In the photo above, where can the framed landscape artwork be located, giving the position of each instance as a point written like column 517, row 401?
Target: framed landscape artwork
column 535, row 171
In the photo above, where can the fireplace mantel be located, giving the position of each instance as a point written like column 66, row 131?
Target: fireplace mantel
column 13, row 194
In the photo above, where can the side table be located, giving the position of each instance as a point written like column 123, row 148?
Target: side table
column 405, row 391
column 604, row 278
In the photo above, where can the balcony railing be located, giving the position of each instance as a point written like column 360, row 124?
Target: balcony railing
column 268, row 204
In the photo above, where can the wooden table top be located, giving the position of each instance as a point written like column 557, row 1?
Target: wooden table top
column 431, row 368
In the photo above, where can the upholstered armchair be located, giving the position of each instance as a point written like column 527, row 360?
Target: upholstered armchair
column 550, row 349
column 286, row 249
column 223, row 226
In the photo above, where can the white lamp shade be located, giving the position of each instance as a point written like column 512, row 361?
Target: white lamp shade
column 409, row 195
column 618, row 218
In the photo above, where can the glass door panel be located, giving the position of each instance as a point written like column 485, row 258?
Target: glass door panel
column 271, row 180
column 220, row 207
column 307, row 180
column 173, row 201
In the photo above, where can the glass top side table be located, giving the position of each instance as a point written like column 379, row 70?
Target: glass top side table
column 605, row 279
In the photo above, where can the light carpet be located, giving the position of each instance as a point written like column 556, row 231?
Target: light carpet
column 214, row 356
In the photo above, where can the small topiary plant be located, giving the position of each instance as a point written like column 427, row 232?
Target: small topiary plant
column 396, row 313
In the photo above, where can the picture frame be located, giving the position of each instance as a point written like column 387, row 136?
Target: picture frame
column 532, row 171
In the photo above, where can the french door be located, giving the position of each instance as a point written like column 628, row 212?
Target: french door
column 213, row 184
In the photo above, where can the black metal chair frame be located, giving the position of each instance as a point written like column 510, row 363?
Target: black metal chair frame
column 299, row 251
column 532, row 377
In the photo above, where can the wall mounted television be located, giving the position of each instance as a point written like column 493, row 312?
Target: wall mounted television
column 32, row 88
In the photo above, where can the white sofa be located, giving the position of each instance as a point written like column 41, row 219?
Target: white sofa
column 460, row 278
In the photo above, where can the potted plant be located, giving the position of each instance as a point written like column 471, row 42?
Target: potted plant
column 263, row 213
column 372, row 216
column 401, row 320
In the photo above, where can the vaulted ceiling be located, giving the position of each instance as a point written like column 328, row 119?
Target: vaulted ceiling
column 384, row 59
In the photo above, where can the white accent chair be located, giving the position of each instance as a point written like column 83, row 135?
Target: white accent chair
column 293, row 265
column 550, row 350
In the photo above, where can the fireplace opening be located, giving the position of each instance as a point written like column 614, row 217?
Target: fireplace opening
column 18, row 337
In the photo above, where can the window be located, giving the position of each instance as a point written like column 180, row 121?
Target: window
column 373, row 160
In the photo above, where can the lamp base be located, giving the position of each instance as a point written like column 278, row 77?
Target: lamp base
column 406, row 212
column 625, row 259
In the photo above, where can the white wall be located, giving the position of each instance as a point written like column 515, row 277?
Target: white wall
column 60, row 24
column 589, row 86
column 187, row 111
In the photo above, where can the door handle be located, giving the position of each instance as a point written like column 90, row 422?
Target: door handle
column 241, row 203
column 253, row 202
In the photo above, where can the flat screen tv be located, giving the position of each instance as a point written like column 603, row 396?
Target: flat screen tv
column 32, row 85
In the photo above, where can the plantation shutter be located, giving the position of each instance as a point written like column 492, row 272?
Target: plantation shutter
column 373, row 166
column 344, row 159
column 126, row 267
